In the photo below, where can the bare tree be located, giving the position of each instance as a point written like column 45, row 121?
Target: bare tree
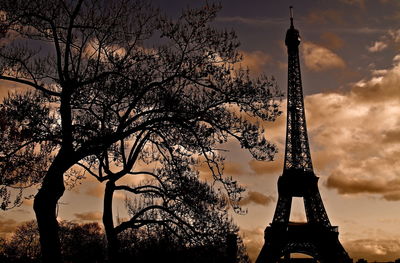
column 104, row 71
column 174, row 197
column 169, row 189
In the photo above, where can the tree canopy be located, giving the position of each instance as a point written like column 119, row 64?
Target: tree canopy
column 104, row 74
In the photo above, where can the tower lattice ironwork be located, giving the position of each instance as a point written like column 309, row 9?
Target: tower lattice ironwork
column 316, row 237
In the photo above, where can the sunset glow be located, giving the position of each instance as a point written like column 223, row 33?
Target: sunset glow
column 350, row 62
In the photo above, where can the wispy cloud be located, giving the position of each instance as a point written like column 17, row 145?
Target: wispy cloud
column 252, row 21
column 255, row 61
column 319, row 58
column 257, row 198
column 377, row 46
column 7, row 226
column 326, row 16
column 374, row 249
column 357, row 132
column 356, row 3
column 89, row 216
column 331, row 40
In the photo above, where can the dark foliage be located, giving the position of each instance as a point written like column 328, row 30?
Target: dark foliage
column 106, row 73
column 85, row 243
column 80, row 243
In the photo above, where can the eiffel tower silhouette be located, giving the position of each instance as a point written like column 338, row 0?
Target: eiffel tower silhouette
column 317, row 237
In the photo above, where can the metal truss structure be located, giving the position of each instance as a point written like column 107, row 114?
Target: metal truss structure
column 316, row 237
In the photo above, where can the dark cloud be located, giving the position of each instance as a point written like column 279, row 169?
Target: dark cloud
column 7, row 226
column 391, row 136
column 331, row 40
column 355, row 135
column 344, row 184
column 373, row 249
column 231, row 168
column 357, row 3
column 326, row 16
column 255, row 61
column 263, row 167
column 257, row 198
column 89, row 216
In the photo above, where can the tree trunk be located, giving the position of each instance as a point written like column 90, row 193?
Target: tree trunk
column 112, row 239
column 45, row 206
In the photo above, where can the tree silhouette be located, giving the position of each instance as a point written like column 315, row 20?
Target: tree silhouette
column 79, row 243
column 155, row 243
column 24, row 244
column 82, row 242
column 86, row 243
column 104, row 71
column 171, row 193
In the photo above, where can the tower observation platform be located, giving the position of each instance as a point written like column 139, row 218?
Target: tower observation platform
column 316, row 237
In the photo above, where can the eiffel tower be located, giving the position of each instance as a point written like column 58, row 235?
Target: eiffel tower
column 317, row 237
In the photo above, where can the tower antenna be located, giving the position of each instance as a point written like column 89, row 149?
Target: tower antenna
column 291, row 15
column 316, row 237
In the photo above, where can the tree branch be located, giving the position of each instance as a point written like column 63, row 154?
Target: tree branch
column 32, row 84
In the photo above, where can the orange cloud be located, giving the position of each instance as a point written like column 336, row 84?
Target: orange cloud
column 7, row 87
column 89, row 216
column 354, row 185
column 395, row 35
column 358, row 3
column 382, row 86
column 391, row 136
column 331, row 40
column 328, row 16
column 377, row 46
column 380, row 250
column 262, row 167
column 255, row 61
column 318, row 58
column 231, row 168
column 7, row 226
column 355, row 135
column 257, row 198
column 28, row 202
column 357, row 144
column 97, row 190
column 253, row 239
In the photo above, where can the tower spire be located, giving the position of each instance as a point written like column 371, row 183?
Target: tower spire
column 291, row 16
column 316, row 237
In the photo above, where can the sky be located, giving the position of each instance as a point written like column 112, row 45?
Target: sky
column 350, row 62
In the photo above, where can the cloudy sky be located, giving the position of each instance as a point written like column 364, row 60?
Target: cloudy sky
column 350, row 59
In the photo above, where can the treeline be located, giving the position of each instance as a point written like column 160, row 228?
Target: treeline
column 87, row 243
